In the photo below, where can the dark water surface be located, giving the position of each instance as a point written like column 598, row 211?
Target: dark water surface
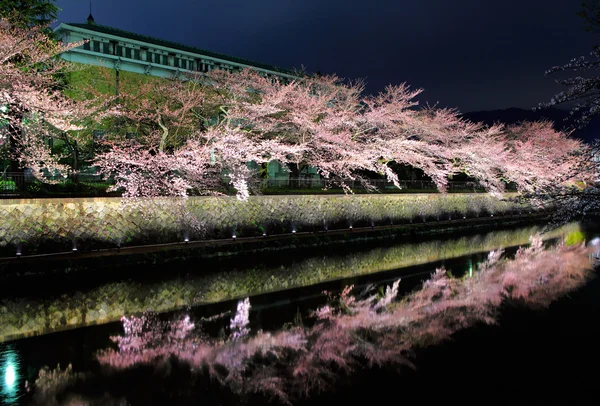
column 529, row 355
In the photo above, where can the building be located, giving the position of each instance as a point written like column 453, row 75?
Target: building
column 127, row 51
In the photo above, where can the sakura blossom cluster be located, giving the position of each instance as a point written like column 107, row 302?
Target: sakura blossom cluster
column 239, row 323
column 197, row 135
column 213, row 124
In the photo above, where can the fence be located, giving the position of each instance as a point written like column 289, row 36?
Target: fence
column 381, row 184
column 14, row 183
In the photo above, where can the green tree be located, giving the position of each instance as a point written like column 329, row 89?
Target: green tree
column 27, row 13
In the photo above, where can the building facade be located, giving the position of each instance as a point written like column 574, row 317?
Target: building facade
column 127, row 51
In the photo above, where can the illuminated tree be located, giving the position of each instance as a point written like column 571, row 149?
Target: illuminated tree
column 195, row 131
column 32, row 108
column 583, row 88
column 583, row 92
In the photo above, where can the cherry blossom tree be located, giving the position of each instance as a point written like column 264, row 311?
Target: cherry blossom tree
column 32, row 107
column 197, row 130
column 581, row 95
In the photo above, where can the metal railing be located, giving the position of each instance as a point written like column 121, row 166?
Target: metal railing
column 13, row 183
column 381, row 184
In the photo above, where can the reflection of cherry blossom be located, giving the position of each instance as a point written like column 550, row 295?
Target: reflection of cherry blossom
column 351, row 331
column 239, row 323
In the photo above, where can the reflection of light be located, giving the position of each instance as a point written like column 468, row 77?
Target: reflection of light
column 595, row 241
column 9, row 373
column 10, row 376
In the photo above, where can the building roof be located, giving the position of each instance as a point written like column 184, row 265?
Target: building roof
column 150, row 40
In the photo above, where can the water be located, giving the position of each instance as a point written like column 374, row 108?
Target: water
column 526, row 341
column 37, row 305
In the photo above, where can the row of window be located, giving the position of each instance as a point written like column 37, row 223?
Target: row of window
column 146, row 55
column 158, row 58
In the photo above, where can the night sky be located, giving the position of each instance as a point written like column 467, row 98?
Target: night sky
column 469, row 54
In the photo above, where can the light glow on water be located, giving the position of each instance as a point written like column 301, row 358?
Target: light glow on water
column 10, row 376
column 9, row 371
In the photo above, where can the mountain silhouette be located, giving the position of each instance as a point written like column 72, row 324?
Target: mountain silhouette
column 561, row 119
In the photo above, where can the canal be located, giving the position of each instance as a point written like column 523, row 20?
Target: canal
column 56, row 330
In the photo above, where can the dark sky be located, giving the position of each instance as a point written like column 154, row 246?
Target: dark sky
column 469, row 54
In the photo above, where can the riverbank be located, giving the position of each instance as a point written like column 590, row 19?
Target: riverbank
column 109, row 226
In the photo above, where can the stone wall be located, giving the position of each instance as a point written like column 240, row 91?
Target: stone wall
column 54, row 225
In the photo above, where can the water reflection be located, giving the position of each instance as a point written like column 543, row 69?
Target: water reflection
column 236, row 278
column 9, row 371
column 472, row 297
column 595, row 255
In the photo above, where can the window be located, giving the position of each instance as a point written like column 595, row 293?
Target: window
column 98, row 134
column 136, row 54
column 95, row 46
column 127, row 52
column 105, row 48
column 86, row 44
column 119, row 50
column 176, row 63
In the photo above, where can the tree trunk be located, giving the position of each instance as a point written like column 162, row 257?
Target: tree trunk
column 294, row 182
column 14, row 135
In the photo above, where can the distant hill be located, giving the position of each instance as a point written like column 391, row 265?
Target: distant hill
column 514, row 115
